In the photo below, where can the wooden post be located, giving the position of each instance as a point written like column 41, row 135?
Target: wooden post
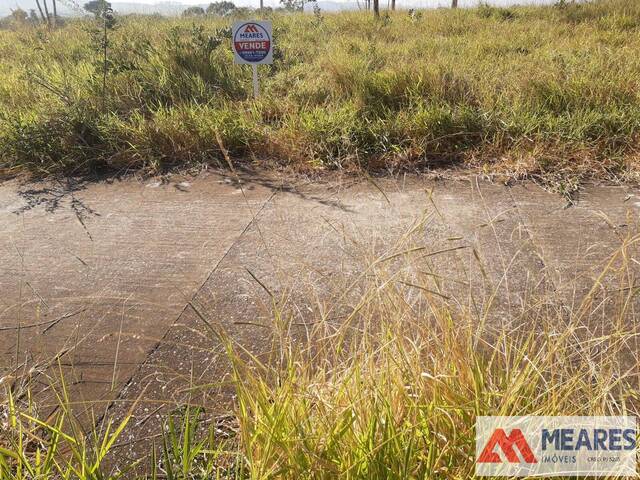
column 256, row 84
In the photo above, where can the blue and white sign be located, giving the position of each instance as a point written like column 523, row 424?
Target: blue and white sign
column 253, row 42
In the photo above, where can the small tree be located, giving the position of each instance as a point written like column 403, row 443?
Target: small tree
column 97, row 7
column 220, row 8
column 18, row 15
column 193, row 12
column 292, row 5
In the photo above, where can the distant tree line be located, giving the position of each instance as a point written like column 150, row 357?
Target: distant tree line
column 219, row 9
column 224, row 8
column 19, row 17
column 43, row 16
column 49, row 17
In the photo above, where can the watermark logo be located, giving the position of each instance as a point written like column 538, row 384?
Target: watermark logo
column 555, row 446
column 507, row 443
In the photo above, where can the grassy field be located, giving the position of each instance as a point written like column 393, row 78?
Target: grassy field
column 522, row 91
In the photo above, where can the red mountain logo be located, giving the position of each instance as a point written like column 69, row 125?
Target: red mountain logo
column 251, row 29
column 506, row 443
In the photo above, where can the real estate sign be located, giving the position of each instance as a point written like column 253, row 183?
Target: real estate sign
column 253, row 42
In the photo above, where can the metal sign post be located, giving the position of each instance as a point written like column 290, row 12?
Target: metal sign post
column 253, row 45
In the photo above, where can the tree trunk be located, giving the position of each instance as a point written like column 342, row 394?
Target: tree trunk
column 55, row 13
column 44, row 19
column 46, row 11
column 376, row 8
column 393, row 5
column 454, row 3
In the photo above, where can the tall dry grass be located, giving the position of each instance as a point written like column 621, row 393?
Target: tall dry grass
column 524, row 90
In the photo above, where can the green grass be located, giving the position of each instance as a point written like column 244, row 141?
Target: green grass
column 392, row 390
column 524, row 91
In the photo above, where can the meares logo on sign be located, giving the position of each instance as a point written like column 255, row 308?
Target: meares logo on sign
column 252, row 42
column 507, row 444
column 553, row 446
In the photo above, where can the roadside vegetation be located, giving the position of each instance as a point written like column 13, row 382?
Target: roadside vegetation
column 391, row 390
column 521, row 91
